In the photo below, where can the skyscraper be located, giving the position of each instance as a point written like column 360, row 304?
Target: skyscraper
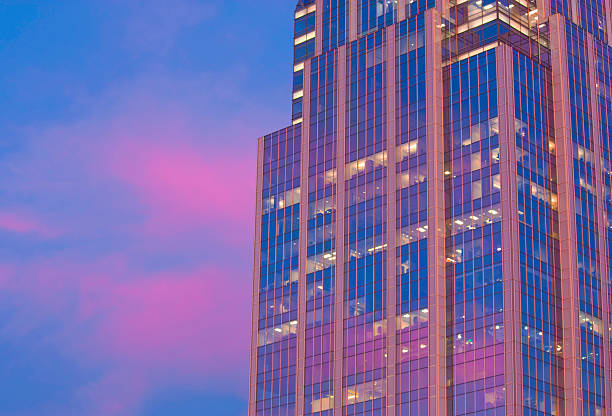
column 433, row 230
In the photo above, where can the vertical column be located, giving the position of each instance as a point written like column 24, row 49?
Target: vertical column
column 401, row 10
column 442, row 6
column 352, row 20
column 303, row 252
column 319, row 28
column 543, row 9
column 391, row 221
column 608, row 16
column 435, row 215
column 256, row 278
column 510, row 234
column 574, row 5
column 567, row 230
column 340, row 248
column 601, row 220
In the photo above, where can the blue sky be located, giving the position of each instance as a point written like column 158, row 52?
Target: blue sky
column 126, row 200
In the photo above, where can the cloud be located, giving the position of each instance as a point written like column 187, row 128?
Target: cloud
column 144, row 166
column 167, row 319
column 20, row 224
column 182, row 185
column 152, row 184
column 148, row 285
column 147, row 330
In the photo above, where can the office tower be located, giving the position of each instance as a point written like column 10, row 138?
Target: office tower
column 433, row 228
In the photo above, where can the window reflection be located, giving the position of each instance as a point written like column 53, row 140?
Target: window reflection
column 322, row 206
column 277, row 333
column 590, row 323
column 412, row 233
column 414, row 319
column 322, row 404
column 366, row 164
column 282, row 200
column 411, row 177
column 320, row 261
column 364, row 392
column 476, row 219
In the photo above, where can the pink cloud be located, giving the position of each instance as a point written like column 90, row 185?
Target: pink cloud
column 146, row 328
column 152, row 162
column 169, row 319
column 149, row 178
column 20, row 224
column 184, row 185
column 139, row 316
column 184, row 179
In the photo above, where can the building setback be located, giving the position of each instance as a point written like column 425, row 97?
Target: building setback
column 433, row 230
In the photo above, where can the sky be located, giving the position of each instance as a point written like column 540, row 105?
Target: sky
column 127, row 180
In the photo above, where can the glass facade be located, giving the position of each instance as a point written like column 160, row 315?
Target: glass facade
column 278, row 281
column 474, row 239
column 334, row 24
column 604, row 98
column 540, row 274
column 585, row 200
column 369, row 290
column 365, row 238
column 375, row 14
column 593, row 18
column 321, row 252
column 412, row 279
